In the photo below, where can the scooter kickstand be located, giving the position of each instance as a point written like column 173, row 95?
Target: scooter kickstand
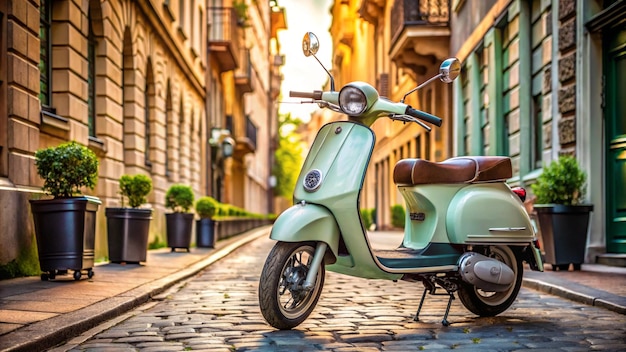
column 417, row 315
column 445, row 322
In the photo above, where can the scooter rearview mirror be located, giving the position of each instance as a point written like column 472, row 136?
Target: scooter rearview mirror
column 449, row 70
column 310, row 44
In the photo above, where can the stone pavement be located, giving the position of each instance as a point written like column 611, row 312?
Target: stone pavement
column 35, row 315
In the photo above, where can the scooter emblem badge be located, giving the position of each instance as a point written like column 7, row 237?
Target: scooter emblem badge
column 312, row 180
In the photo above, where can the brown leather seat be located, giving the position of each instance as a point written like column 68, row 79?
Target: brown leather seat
column 465, row 169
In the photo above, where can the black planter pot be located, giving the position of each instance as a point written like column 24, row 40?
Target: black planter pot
column 564, row 232
column 205, row 233
column 65, row 230
column 128, row 230
column 178, row 227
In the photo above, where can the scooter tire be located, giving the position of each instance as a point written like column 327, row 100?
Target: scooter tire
column 489, row 304
column 282, row 277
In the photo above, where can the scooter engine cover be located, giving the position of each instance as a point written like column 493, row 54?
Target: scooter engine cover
column 486, row 273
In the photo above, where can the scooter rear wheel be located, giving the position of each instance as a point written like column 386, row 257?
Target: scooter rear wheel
column 283, row 301
column 489, row 304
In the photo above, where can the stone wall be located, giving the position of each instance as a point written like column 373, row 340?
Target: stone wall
column 139, row 49
column 567, row 75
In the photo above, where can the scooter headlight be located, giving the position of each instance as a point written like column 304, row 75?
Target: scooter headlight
column 352, row 100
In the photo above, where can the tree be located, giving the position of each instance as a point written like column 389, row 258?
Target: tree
column 288, row 155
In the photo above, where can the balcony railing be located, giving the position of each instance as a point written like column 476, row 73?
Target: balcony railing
column 418, row 13
column 243, row 75
column 224, row 37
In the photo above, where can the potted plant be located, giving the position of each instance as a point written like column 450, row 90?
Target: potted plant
column 241, row 12
column 128, row 229
column 179, row 198
column 563, row 221
column 206, row 208
column 65, row 226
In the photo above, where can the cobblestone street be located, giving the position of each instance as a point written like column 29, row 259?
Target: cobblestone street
column 218, row 311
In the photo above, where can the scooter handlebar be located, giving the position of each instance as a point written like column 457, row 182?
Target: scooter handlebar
column 315, row 95
column 424, row 116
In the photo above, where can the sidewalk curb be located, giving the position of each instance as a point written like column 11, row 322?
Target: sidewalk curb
column 50, row 332
column 585, row 295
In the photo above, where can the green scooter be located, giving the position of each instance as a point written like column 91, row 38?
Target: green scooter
column 466, row 230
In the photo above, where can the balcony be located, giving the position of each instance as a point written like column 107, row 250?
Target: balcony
column 275, row 84
column 223, row 37
column 372, row 10
column 276, row 78
column 421, row 36
column 247, row 143
column 278, row 21
column 243, row 74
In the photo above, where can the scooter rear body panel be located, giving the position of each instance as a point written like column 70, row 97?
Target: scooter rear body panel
column 488, row 212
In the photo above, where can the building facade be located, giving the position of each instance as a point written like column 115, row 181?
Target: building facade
column 370, row 45
column 540, row 78
column 146, row 86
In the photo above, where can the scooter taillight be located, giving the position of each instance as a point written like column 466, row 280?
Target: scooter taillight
column 521, row 193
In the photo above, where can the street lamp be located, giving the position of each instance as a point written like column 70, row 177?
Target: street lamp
column 222, row 147
column 223, row 142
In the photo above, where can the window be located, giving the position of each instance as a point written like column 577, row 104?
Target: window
column 91, row 78
column 537, row 134
column 45, row 20
column 539, row 33
column 148, row 102
column 181, row 124
column 418, row 146
column 146, row 116
column 168, row 139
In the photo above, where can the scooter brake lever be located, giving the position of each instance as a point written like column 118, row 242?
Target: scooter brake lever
column 407, row 118
column 325, row 104
column 413, row 119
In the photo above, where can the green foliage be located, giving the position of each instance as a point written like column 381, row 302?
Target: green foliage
column 157, row 243
column 241, row 11
column 562, row 182
column 26, row 264
column 206, row 207
column 397, row 216
column 66, row 168
column 367, row 217
column 135, row 188
column 288, row 156
column 179, row 198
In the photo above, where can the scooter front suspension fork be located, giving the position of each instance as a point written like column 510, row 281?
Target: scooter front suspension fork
column 318, row 258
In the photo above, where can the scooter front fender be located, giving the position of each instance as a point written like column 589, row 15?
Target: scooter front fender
column 305, row 222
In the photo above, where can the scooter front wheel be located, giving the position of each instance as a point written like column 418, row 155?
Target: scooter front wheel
column 489, row 304
column 283, row 301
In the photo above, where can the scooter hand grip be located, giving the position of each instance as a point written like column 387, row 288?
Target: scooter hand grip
column 315, row 95
column 424, row 116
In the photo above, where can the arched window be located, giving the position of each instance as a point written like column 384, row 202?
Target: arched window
column 91, row 78
column 169, row 133
column 181, row 126
column 147, row 103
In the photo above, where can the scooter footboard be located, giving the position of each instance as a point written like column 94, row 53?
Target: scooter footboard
column 308, row 222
